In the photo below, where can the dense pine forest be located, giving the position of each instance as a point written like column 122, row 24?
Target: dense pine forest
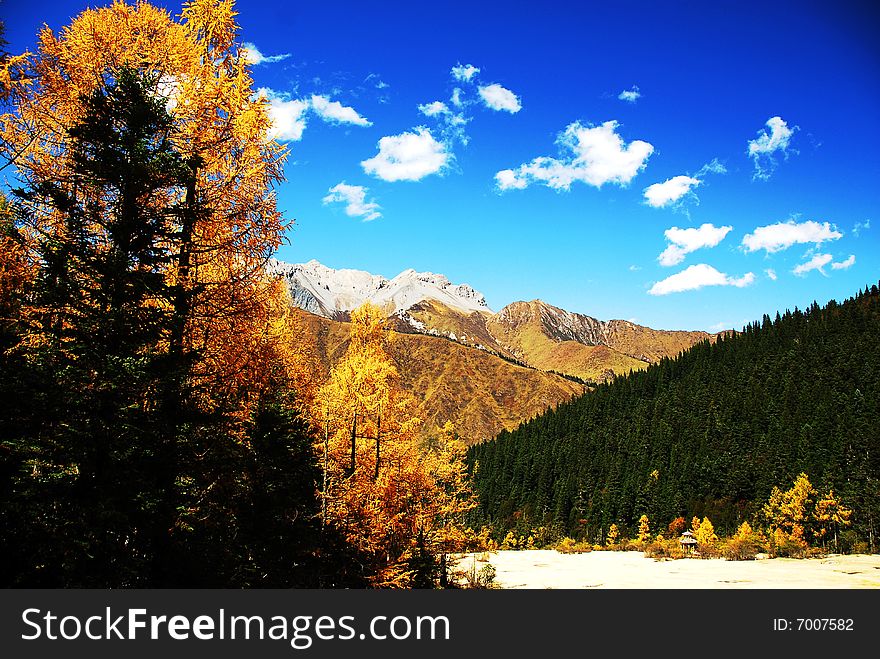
column 709, row 433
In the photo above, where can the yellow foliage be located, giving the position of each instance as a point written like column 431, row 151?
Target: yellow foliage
column 830, row 515
column 744, row 531
column 236, row 320
column 389, row 496
column 613, row 535
column 705, row 533
column 644, row 529
column 789, row 510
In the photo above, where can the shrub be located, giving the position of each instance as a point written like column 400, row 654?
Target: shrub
column 477, row 579
column 745, row 545
column 783, row 545
column 571, row 546
column 739, row 549
column 662, row 548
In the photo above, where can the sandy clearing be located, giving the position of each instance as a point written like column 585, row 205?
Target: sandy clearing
column 615, row 569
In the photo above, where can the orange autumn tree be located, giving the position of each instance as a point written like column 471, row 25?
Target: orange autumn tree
column 231, row 224
column 788, row 513
column 441, row 527
column 206, row 422
column 831, row 514
column 389, row 496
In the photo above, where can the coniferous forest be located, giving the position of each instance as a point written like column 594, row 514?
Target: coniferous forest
column 707, row 434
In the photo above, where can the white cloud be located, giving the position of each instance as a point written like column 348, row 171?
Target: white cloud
column 433, row 109
column 355, row 199
column 719, row 327
column 168, row 88
column 594, row 155
column 762, row 148
column 675, row 189
column 685, row 241
column 818, row 262
column 696, row 277
column 464, row 72
column 253, row 55
column 379, row 83
column 713, row 167
column 670, row 191
column 630, row 95
column 497, row 97
column 861, row 226
column 844, row 265
column 771, row 274
column 288, row 116
column 409, row 156
column 456, row 98
column 634, row 268
column 451, row 124
column 782, row 235
column 507, row 179
column 335, row 112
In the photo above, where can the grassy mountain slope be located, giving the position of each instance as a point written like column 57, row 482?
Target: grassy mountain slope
column 481, row 393
column 552, row 339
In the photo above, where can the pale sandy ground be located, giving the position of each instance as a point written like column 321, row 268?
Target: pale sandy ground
column 615, row 569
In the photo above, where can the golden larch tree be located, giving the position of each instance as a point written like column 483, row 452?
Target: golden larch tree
column 644, row 529
column 613, row 536
column 831, row 515
column 228, row 224
column 389, row 496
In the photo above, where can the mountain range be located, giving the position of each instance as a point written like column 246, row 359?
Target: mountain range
column 484, row 370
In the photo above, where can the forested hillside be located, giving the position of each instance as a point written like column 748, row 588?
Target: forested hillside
column 710, row 432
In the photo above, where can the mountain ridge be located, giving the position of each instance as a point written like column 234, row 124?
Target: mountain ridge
column 533, row 333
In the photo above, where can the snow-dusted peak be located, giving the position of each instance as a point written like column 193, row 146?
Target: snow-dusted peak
column 331, row 293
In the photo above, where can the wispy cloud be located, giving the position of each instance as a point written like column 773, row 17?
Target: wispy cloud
column 376, row 80
column 496, row 97
column 434, row 109
column 355, row 199
column 630, row 95
column 685, row 241
column 771, row 274
column 715, row 166
column 782, row 235
column 673, row 191
column 763, row 148
column 409, row 156
column 452, row 117
column 818, row 262
column 696, row 277
column 594, row 155
column 845, row 264
column 253, row 55
column 335, row 112
column 861, row 226
column 464, row 72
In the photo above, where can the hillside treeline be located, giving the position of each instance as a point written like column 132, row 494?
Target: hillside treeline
column 709, row 433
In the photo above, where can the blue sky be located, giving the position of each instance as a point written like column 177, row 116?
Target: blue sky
column 755, row 123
